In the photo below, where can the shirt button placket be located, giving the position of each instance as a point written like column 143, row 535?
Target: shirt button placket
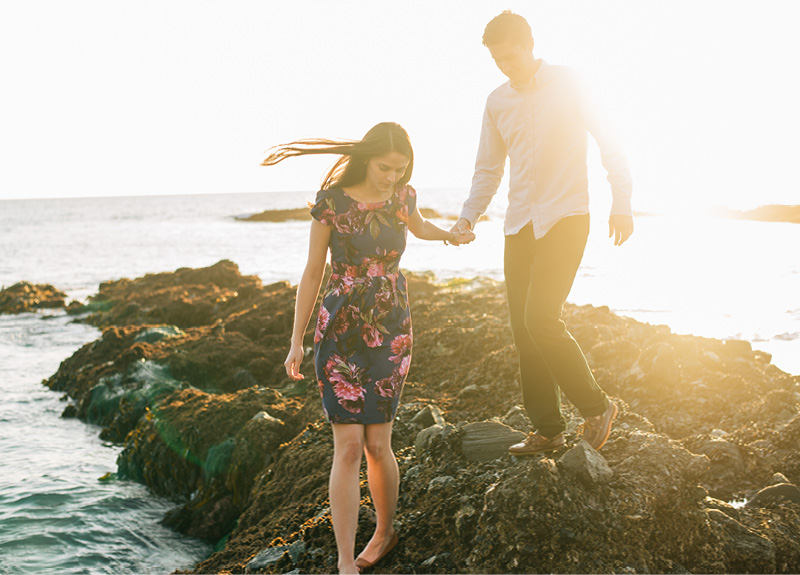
column 531, row 159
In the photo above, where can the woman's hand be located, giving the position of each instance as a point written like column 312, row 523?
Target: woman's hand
column 462, row 237
column 293, row 360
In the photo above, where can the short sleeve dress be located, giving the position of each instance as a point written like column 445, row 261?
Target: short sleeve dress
column 362, row 341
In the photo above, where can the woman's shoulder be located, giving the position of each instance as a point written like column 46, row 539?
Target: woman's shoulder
column 406, row 191
column 406, row 195
column 330, row 193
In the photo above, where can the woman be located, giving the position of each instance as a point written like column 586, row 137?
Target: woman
column 362, row 341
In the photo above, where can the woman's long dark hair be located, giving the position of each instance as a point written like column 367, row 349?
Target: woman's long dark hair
column 351, row 168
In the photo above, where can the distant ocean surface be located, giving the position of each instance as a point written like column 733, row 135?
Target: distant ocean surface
column 711, row 277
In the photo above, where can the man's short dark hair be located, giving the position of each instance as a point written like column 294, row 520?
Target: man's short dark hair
column 507, row 27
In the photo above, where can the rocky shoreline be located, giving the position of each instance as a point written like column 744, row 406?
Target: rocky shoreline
column 293, row 214
column 772, row 213
column 188, row 375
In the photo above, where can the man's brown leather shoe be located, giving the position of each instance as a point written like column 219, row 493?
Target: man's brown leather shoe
column 597, row 429
column 536, row 443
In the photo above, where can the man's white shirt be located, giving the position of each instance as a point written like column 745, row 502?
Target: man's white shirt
column 543, row 128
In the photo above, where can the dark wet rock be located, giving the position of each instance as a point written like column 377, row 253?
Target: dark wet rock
column 726, row 463
column 429, row 415
column 207, row 416
column 745, row 551
column 277, row 215
column 70, row 411
column 296, row 550
column 484, row 440
column 266, row 557
column 440, row 482
column 27, row 297
column 188, row 297
column 775, row 494
column 778, row 478
column 516, row 418
column 207, row 450
column 304, row 214
column 723, row 506
column 470, row 390
column 432, row 433
column 439, row 563
column 586, row 464
column 157, row 333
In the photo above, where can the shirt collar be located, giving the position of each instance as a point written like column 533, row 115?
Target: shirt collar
column 535, row 81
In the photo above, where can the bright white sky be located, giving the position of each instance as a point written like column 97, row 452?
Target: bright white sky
column 108, row 97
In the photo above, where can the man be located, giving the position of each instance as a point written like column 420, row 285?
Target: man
column 540, row 119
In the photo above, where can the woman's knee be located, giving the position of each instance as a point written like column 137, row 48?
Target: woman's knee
column 378, row 442
column 377, row 449
column 348, row 449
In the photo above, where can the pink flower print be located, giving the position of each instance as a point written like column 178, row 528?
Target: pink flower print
column 345, row 389
column 402, row 369
column 327, row 216
column 372, row 337
column 330, row 366
column 375, row 268
column 402, row 214
column 342, row 224
column 356, row 406
column 383, row 300
column 340, row 285
column 347, row 381
column 353, row 220
column 323, row 317
column 401, row 346
column 406, row 325
column 402, row 192
column 385, row 387
column 345, row 319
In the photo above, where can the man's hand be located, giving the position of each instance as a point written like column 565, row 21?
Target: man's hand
column 462, row 228
column 621, row 227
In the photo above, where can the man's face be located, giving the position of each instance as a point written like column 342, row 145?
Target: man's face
column 515, row 61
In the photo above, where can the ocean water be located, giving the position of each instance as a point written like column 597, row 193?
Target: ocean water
column 56, row 514
column 711, row 277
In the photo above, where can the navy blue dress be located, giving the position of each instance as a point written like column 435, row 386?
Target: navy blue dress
column 362, row 341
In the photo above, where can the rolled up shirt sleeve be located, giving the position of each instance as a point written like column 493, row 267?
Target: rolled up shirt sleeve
column 489, row 166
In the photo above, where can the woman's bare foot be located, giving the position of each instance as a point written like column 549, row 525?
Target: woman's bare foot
column 376, row 547
column 348, row 568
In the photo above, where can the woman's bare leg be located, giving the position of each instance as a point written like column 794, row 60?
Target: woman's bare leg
column 384, row 480
column 344, row 490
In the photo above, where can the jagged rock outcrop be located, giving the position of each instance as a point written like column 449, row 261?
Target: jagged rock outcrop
column 191, row 379
column 26, row 297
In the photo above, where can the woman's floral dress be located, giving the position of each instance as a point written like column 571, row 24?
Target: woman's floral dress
column 362, row 342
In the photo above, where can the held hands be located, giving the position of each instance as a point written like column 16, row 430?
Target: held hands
column 462, row 232
column 292, row 363
column 621, row 227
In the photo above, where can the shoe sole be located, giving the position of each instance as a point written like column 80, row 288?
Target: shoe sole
column 610, row 424
column 548, row 450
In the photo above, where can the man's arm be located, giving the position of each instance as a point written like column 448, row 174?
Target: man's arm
column 620, row 222
column 489, row 165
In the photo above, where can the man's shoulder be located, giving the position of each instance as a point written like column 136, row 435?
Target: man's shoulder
column 561, row 73
column 499, row 94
